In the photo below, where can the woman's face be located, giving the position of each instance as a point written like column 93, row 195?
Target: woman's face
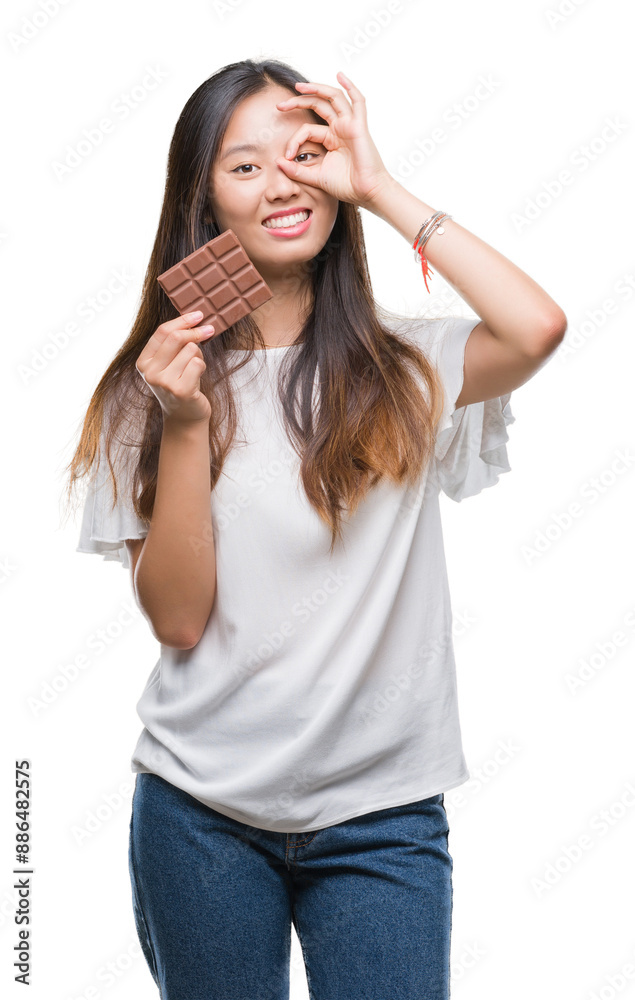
column 246, row 186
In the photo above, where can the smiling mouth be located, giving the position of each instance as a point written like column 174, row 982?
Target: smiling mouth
column 287, row 221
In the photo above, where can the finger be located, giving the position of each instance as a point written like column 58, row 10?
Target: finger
column 191, row 377
column 177, row 368
column 328, row 110
column 333, row 95
column 186, row 387
column 168, row 339
column 308, row 131
column 336, row 98
column 357, row 98
column 174, row 344
column 188, row 321
column 189, row 380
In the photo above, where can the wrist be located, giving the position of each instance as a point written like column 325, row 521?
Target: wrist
column 174, row 427
column 385, row 187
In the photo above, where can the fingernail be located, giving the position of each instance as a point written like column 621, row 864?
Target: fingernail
column 206, row 329
column 196, row 314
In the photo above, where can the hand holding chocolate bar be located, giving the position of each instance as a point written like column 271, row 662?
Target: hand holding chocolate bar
column 219, row 281
column 171, row 363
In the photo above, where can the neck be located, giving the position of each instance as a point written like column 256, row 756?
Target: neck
column 282, row 317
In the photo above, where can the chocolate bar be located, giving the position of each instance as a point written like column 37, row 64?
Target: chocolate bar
column 219, row 279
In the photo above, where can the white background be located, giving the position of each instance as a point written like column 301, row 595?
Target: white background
column 527, row 922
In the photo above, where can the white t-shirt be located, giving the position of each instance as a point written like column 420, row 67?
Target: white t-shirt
column 323, row 687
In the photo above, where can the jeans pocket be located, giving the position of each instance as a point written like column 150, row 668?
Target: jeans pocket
column 139, row 916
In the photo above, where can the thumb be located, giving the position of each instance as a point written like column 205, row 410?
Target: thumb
column 290, row 166
column 297, row 170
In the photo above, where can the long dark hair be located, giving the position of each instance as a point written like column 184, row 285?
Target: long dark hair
column 376, row 418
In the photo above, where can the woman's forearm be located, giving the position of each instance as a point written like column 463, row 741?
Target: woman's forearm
column 514, row 307
column 175, row 576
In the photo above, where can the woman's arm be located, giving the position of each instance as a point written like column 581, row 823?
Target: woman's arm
column 174, row 567
column 521, row 324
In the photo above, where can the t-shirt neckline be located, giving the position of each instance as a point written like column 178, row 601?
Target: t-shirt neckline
column 282, row 347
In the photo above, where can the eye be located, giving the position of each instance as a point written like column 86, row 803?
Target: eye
column 237, row 169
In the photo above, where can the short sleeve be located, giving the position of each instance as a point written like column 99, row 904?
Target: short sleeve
column 104, row 528
column 471, row 441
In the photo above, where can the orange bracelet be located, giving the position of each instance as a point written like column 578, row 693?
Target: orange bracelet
column 431, row 225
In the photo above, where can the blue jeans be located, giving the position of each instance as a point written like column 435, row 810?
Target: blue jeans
column 214, row 900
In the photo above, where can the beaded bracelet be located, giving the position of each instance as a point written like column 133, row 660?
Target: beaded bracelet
column 431, row 225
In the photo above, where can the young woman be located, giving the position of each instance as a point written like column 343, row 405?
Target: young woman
column 275, row 494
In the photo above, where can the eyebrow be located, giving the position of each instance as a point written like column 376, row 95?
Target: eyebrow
column 246, row 147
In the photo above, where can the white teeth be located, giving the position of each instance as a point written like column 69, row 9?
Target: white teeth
column 286, row 221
